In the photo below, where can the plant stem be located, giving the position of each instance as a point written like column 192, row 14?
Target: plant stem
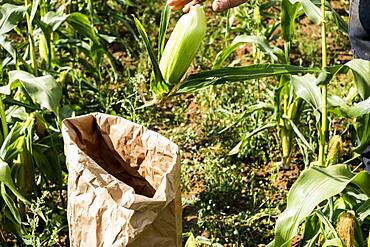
column 3, row 118
column 30, row 40
column 287, row 46
column 324, row 93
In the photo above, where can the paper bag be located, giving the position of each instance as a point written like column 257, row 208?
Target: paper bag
column 123, row 184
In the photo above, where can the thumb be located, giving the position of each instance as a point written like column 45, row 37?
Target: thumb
column 221, row 5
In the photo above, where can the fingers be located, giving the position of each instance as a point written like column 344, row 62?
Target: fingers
column 187, row 7
column 221, row 5
column 177, row 4
column 217, row 5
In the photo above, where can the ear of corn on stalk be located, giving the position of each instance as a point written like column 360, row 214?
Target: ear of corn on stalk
column 346, row 229
column 335, row 150
column 182, row 45
column 43, row 49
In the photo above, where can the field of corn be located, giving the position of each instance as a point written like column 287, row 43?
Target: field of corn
column 268, row 106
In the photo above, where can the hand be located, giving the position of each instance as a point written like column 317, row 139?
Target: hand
column 217, row 5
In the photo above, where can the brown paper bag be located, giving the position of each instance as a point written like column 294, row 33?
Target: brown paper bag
column 123, row 185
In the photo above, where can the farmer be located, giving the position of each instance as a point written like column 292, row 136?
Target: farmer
column 359, row 31
column 359, row 35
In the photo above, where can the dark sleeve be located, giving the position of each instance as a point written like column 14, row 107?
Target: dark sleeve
column 359, row 28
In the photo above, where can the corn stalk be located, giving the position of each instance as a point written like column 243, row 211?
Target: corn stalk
column 324, row 93
column 31, row 41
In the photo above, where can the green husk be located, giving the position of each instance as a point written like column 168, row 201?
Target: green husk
column 183, row 45
column 335, row 150
column 43, row 49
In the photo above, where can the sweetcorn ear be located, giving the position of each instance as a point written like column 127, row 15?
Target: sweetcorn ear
column 182, row 45
column 43, row 48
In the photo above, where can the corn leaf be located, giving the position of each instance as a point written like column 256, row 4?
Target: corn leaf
column 245, row 137
column 10, row 204
column 305, row 87
column 333, row 242
column 300, row 135
column 341, row 24
column 326, row 226
column 7, row 45
column 314, row 186
column 165, row 19
column 35, row 6
column 363, row 211
column 10, row 16
column 251, row 109
column 6, row 178
column 48, row 164
column 351, row 111
column 82, row 25
column 158, row 86
column 261, row 41
column 361, row 72
column 289, row 12
column 362, row 180
column 234, row 74
column 54, row 19
column 311, row 10
column 43, row 90
column 127, row 2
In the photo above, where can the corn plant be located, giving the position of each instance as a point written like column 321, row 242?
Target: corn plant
column 45, row 48
column 318, row 187
column 174, row 58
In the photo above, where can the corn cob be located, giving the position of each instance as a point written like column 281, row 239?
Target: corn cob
column 182, row 45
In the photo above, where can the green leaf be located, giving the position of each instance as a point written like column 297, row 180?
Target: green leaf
column 35, row 5
column 351, row 111
column 10, row 141
column 327, row 227
column 165, row 19
column 341, row 24
column 158, row 86
column 289, row 12
column 363, row 132
column 191, row 242
column 234, row 74
column 54, row 19
column 362, row 180
column 261, row 41
column 311, row 231
column 49, row 165
column 43, row 90
column 126, row 2
column 6, row 178
column 15, row 113
column 251, row 109
column 305, row 87
column 10, row 204
column 7, row 89
column 300, row 135
column 10, row 16
column 7, row 45
column 82, row 25
column 312, row 187
column 333, row 242
column 245, row 138
column 312, row 11
column 361, row 72
column 363, row 211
